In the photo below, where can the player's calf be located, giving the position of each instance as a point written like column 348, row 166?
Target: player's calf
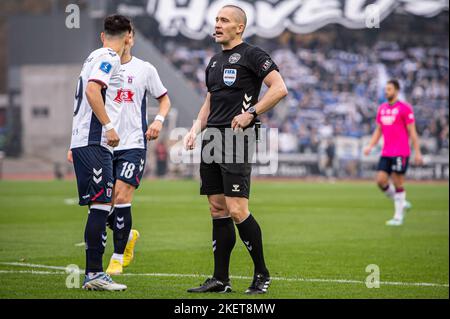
column 383, row 184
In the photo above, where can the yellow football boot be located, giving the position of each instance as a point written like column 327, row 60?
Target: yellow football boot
column 128, row 254
column 115, row 267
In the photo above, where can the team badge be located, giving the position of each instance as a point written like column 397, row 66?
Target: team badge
column 130, row 79
column 105, row 67
column 234, row 58
column 229, row 76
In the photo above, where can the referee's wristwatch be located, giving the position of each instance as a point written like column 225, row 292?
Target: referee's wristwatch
column 252, row 111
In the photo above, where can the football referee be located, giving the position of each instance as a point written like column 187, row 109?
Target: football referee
column 233, row 78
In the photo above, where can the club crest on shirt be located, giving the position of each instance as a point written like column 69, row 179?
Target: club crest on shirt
column 234, row 58
column 229, row 76
column 130, row 79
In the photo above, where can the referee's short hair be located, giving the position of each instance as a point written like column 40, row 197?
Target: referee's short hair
column 242, row 14
column 395, row 83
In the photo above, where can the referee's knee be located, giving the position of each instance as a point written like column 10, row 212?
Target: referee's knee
column 238, row 213
column 218, row 211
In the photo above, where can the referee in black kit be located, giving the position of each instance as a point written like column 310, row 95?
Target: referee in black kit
column 234, row 78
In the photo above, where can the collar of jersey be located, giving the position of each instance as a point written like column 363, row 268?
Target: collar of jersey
column 229, row 50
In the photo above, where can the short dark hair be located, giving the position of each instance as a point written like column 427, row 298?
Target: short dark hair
column 117, row 24
column 395, row 83
column 243, row 14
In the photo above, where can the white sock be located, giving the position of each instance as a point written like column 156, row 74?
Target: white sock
column 130, row 236
column 118, row 257
column 390, row 192
column 399, row 203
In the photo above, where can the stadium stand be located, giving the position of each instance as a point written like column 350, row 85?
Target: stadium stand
column 336, row 77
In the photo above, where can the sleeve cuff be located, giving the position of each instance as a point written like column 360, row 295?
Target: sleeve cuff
column 98, row 82
column 162, row 95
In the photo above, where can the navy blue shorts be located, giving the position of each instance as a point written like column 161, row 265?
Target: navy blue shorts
column 129, row 165
column 396, row 164
column 94, row 171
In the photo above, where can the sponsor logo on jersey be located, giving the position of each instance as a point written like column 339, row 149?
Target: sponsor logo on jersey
column 388, row 119
column 234, row 58
column 229, row 76
column 266, row 65
column 105, row 67
column 124, row 95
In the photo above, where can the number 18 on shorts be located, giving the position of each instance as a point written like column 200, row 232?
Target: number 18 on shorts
column 129, row 166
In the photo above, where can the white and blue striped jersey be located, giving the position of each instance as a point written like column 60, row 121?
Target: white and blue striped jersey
column 141, row 80
column 103, row 67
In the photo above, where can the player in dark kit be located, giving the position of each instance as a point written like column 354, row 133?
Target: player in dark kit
column 234, row 78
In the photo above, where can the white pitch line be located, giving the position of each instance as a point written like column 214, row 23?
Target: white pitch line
column 317, row 280
column 34, row 272
column 32, row 265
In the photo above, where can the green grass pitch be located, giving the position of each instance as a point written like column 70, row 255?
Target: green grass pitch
column 319, row 238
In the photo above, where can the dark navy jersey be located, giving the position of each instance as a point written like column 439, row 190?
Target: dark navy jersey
column 234, row 78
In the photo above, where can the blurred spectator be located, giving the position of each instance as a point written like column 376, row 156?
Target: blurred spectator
column 161, row 159
column 336, row 79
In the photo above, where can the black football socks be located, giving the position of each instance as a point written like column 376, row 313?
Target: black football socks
column 251, row 235
column 224, row 239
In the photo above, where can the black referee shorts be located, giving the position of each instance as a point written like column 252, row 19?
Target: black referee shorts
column 226, row 162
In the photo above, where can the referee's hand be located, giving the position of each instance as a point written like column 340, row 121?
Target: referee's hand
column 189, row 141
column 241, row 121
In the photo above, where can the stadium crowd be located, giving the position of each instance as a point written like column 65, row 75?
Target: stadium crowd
column 336, row 81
